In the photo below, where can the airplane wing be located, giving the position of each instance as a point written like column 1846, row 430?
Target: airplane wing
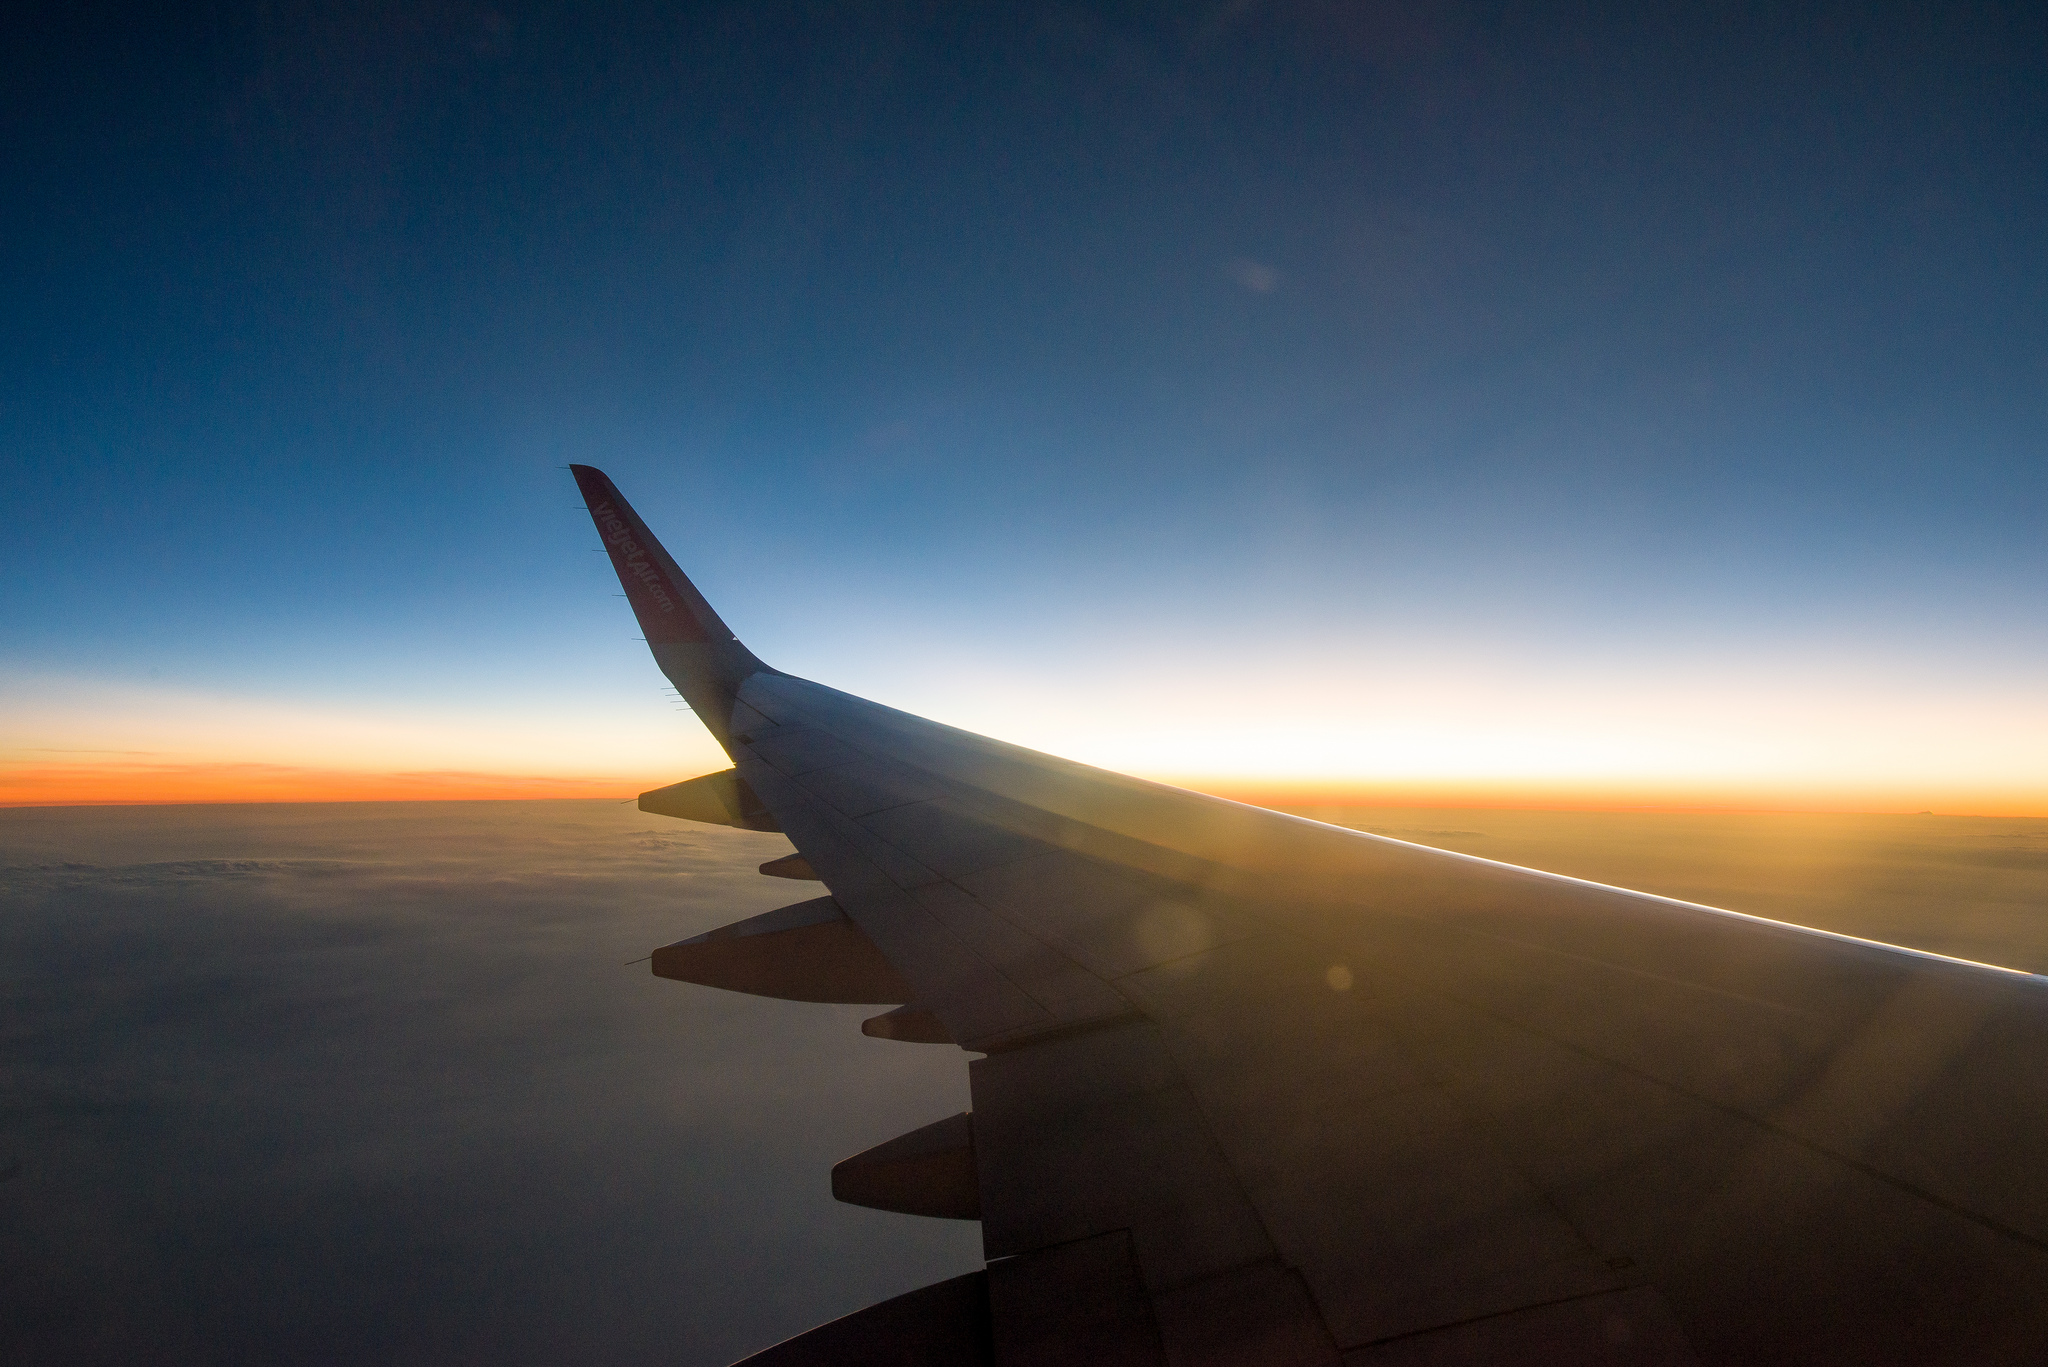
column 1249, row 1089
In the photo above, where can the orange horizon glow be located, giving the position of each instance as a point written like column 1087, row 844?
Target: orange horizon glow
column 153, row 784
column 1766, row 746
column 108, row 785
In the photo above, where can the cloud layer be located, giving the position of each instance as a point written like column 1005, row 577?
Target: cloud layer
column 328, row 1083
column 374, row 1082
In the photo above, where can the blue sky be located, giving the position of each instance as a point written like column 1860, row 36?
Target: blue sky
column 1169, row 386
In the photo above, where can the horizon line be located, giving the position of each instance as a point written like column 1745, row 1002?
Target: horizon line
column 1360, row 802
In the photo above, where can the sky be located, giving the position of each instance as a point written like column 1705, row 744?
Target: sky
column 1554, row 406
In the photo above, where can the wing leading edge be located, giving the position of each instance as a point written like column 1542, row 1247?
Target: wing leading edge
column 1257, row 1090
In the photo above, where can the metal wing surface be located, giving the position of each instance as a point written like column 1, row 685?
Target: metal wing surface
column 1253, row 1089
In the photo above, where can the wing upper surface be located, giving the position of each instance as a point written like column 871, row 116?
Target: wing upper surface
column 1256, row 1089
column 1530, row 1091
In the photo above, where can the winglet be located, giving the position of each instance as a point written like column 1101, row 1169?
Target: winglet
column 691, row 643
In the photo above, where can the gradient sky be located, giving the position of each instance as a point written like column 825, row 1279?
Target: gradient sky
column 1562, row 404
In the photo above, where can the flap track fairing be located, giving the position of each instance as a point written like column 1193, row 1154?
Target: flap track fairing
column 721, row 799
column 791, row 866
column 912, row 1024
column 929, row 1171
column 809, row 952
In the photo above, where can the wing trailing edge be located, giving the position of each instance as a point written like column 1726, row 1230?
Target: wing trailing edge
column 946, row 1325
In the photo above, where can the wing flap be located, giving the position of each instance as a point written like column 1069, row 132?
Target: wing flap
column 1075, row 1303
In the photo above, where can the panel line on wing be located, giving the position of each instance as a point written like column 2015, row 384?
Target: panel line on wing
column 1988, row 1222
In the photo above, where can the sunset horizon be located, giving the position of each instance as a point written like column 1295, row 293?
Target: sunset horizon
column 198, row 784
